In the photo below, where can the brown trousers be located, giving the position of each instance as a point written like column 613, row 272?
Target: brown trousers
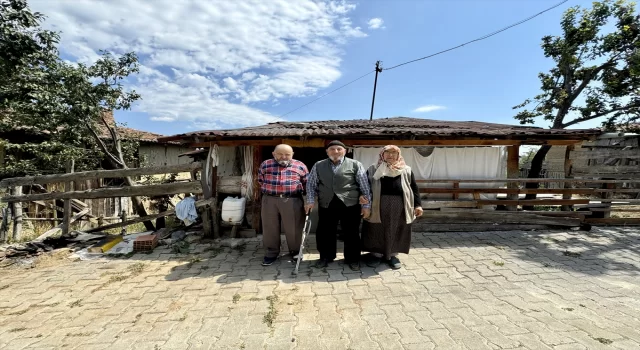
column 281, row 214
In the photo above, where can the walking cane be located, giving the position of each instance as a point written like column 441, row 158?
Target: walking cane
column 305, row 231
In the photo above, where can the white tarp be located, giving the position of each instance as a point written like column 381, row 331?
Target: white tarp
column 449, row 163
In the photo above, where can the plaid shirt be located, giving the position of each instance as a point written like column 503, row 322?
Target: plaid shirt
column 361, row 179
column 276, row 179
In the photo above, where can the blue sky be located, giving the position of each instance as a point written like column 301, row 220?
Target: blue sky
column 223, row 64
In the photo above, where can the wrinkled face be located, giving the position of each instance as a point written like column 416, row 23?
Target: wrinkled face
column 391, row 156
column 336, row 152
column 283, row 155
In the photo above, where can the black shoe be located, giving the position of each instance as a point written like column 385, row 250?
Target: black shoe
column 354, row 266
column 268, row 261
column 321, row 263
column 373, row 261
column 395, row 263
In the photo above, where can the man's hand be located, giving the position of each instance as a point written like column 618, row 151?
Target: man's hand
column 308, row 208
column 364, row 200
column 365, row 212
column 418, row 211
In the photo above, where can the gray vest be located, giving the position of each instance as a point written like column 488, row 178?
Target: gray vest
column 343, row 183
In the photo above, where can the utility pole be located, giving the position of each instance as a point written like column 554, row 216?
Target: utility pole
column 375, row 83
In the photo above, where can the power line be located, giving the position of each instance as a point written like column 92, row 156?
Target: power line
column 481, row 38
column 328, row 93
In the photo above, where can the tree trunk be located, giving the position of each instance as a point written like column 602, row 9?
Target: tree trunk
column 138, row 206
column 162, row 207
column 534, row 172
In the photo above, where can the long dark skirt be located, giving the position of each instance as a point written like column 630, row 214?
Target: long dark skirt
column 393, row 234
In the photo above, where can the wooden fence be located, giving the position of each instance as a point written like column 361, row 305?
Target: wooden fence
column 579, row 202
column 73, row 199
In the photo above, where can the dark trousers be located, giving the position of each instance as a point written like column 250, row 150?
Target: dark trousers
column 326, row 240
column 281, row 214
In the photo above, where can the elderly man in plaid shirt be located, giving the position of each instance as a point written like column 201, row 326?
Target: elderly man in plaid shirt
column 282, row 181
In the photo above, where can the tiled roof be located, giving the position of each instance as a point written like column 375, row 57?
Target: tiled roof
column 423, row 128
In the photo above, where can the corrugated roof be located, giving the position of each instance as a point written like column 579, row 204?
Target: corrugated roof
column 396, row 126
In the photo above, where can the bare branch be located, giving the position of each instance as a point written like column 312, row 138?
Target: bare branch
column 597, row 115
column 104, row 147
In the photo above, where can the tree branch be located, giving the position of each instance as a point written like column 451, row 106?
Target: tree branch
column 597, row 115
column 104, row 147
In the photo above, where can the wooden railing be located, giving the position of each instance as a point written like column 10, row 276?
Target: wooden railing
column 72, row 198
column 593, row 199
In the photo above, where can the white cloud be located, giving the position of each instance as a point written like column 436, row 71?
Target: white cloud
column 376, row 23
column 209, row 62
column 428, row 108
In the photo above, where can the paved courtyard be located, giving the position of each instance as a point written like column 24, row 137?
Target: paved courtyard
column 498, row 290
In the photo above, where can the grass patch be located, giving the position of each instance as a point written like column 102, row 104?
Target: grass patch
column 270, row 316
column 546, row 265
column 76, row 303
column 205, row 267
column 181, row 247
column 136, row 269
column 604, row 341
column 567, row 309
column 236, row 298
column 498, row 263
column 19, row 329
column 4, row 287
column 82, row 334
column 184, row 317
column 571, row 254
column 255, row 299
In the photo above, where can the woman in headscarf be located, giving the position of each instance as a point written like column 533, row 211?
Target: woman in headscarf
column 395, row 205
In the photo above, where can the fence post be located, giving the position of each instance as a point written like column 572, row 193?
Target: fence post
column 206, row 211
column 17, row 215
column 567, row 175
column 66, row 224
column 513, row 171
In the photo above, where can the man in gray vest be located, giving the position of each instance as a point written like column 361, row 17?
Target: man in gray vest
column 341, row 185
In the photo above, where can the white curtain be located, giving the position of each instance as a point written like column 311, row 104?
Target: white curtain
column 449, row 163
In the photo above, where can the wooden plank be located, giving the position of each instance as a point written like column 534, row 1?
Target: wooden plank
column 257, row 207
column 448, row 204
column 54, row 230
column 198, row 204
column 588, row 180
column 129, row 191
column 510, row 190
column 312, row 142
column 408, row 143
column 17, row 215
column 497, row 217
column 614, row 221
column 68, row 187
column 607, row 169
column 96, row 174
column 606, row 154
column 621, row 210
column 229, row 184
column 205, row 212
column 534, row 202
column 215, row 216
column 568, row 165
column 270, row 142
column 513, row 170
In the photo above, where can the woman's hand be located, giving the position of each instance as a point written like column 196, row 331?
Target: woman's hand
column 418, row 211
